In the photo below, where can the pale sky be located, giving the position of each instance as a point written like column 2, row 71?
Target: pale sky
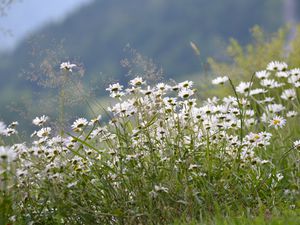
column 26, row 16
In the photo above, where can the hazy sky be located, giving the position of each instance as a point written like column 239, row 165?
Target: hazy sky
column 26, row 16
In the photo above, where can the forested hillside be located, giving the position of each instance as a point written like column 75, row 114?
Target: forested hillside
column 96, row 35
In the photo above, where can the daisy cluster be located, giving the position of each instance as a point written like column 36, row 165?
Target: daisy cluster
column 161, row 126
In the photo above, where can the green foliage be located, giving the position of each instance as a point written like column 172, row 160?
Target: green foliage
column 243, row 61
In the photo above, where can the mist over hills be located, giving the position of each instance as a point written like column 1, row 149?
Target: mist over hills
column 96, row 36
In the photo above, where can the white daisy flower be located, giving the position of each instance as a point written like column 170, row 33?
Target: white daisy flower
column 279, row 176
column 185, row 84
column 118, row 94
column 282, row 74
column 40, row 121
column 44, row 132
column 162, row 86
column 10, row 131
column 7, row 154
column 277, row 66
column 275, row 108
column 262, row 74
column 13, row 124
column 291, row 114
column 243, row 87
column 185, row 93
column 266, row 100
column 115, row 87
column 270, row 83
column 257, row 91
column 79, row 123
column 289, row 94
column 295, row 71
column 95, row 120
column 293, row 79
column 296, row 144
column 220, row 80
column 277, row 121
column 138, row 81
column 67, row 66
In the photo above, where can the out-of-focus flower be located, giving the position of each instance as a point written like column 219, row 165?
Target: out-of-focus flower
column 67, row 66
column 7, row 154
column 220, row 80
column 243, row 87
column 40, row 121
column 291, row 114
column 79, row 123
column 296, row 144
column 277, row 66
column 138, row 81
column 262, row 74
column 44, row 132
column 289, row 94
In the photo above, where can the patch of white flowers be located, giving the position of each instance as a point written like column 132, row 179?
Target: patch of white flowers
column 167, row 120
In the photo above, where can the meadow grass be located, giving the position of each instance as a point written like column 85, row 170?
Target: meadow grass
column 163, row 157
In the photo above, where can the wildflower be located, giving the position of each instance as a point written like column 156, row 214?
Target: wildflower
column 296, row 144
column 138, row 81
column 262, row 74
column 220, row 80
column 293, row 79
column 289, row 94
column 291, row 114
column 185, row 93
column 279, row 176
column 7, row 154
column 40, row 121
column 162, row 86
column 9, row 131
column 258, row 140
column 282, row 74
column 115, row 87
column 79, row 123
column 257, row 91
column 243, row 87
column 295, row 71
column 95, row 120
column 266, row 100
column 277, row 121
column 185, row 84
column 13, row 124
column 270, row 83
column 44, row 132
column 116, row 94
column 72, row 184
column 277, row 66
column 275, row 108
column 67, row 66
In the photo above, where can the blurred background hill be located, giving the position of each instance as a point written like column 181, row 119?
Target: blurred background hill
column 95, row 33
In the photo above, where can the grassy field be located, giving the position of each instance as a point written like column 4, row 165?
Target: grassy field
column 162, row 157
